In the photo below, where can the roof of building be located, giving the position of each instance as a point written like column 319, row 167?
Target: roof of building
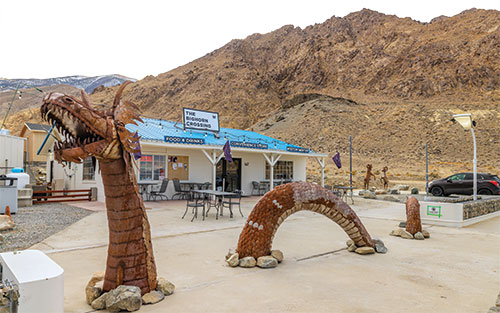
column 174, row 133
column 33, row 126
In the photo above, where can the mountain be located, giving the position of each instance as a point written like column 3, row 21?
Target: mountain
column 404, row 80
column 80, row 82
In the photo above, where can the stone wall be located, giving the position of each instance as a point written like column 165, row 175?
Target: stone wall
column 481, row 207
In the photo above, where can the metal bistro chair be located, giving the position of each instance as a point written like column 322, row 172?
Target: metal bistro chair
column 178, row 190
column 161, row 192
column 255, row 187
column 194, row 203
column 230, row 201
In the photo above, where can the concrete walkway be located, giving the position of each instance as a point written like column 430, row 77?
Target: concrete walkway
column 456, row 270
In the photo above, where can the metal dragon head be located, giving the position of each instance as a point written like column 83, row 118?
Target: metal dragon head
column 88, row 131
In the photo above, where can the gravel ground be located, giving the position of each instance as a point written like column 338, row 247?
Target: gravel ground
column 34, row 224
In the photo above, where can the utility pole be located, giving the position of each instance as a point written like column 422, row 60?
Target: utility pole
column 10, row 106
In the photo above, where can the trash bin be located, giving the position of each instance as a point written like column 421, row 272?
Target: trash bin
column 8, row 193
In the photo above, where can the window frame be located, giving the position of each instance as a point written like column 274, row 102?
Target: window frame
column 281, row 165
column 153, row 171
column 86, row 163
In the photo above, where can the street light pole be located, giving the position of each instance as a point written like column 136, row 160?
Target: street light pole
column 474, row 161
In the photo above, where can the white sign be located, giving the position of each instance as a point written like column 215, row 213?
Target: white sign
column 201, row 120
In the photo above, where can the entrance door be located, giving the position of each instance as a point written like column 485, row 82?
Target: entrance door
column 230, row 173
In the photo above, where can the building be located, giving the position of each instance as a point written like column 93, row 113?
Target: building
column 170, row 151
column 11, row 152
column 35, row 135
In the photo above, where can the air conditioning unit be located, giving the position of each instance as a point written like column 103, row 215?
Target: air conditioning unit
column 39, row 279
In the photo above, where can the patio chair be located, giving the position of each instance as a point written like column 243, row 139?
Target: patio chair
column 207, row 186
column 230, row 201
column 182, row 194
column 161, row 192
column 194, row 204
column 255, row 187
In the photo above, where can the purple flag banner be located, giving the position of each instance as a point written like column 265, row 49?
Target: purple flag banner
column 137, row 151
column 336, row 160
column 227, row 152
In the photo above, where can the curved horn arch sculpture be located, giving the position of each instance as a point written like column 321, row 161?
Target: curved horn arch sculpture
column 268, row 214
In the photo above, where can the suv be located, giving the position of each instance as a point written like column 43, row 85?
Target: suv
column 487, row 184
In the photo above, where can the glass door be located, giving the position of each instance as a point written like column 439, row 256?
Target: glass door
column 229, row 174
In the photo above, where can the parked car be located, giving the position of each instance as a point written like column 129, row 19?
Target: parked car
column 462, row 184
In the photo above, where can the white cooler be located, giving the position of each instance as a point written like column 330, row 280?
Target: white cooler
column 40, row 280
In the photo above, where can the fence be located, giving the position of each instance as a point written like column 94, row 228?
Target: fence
column 47, row 196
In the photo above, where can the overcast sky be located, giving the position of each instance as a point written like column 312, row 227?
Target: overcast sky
column 48, row 38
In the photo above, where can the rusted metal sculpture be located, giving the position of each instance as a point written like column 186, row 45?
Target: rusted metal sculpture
column 268, row 214
column 102, row 135
column 413, row 223
column 368, row 175
column 384, row 180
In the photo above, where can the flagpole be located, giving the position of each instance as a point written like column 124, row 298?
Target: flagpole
column 350, row 164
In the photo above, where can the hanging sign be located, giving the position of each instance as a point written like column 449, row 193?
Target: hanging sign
column 250, row 145
column 200, row 120
column 297, row 149
column 193, row 141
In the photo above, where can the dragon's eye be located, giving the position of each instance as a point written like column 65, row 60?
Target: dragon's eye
column 68, row 99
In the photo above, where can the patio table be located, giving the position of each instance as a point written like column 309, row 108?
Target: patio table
column 144, row 186
column 219, row 195
column 344, row 192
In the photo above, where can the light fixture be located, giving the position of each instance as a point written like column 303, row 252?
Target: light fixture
column 463, row 119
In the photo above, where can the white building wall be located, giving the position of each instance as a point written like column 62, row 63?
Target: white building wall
column 200, row 169
column 11, row 151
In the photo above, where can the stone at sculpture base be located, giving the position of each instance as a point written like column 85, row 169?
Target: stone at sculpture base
column 267, row 261
column 379, row 247
column 398, row 232
column 124, row 297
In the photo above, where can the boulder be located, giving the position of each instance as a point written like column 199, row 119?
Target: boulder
column 93, row 290
column 414, row 191
column 349, row 242
column 165, row 286
column 369, row 195
column 396, row 232
column 153, row 297
column 394, row 191
column 351, row 248
column 100, row 303
column 361, row 193
column 233, row 260
column 372, row 189
column 248, row 261
column 425, row 233
column 380, row 192
column 267, row 261
column 124, row 297
column 419, row 236
column 402, row 187
column 379, row 246
column 365, row 250
column 278, row 255
column 390, row 198
column 405, row 234
column 6, row 222
column 230, row 253
column 402, row 224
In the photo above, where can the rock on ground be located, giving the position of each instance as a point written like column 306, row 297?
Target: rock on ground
column 267, row 261
column 369, row 195
column 351, row 248
column 278, row 255
column 6, row 222
column 248, row 261
column 419, row 236
column 233, row 260
column 365, row 250
column 379, row 246
column 124, row 298
column 93, row 290
column 405, row 234
column 152, row 297
column 396, row 232
column 100, row 303
column 165, row 286
column 426, row 233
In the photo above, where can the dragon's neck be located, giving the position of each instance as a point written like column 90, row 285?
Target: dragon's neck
column 130, row 253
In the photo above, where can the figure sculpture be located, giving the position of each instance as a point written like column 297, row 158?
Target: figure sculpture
column 384, row 179
column 413, row 223
column 102, row 135
column 368, row 176
column 275, row 206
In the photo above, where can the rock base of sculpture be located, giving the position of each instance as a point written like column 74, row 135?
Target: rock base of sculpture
column 379, row 247
column 421, row 235
column 267, row 261
column 123, row 297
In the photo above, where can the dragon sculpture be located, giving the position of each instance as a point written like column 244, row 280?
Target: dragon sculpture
column 268, row 214
column 102, row 135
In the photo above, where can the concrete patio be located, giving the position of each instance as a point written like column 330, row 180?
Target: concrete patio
column 456, row 270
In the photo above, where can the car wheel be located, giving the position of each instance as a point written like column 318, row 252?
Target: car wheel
column 485, row 192
column 437, row 191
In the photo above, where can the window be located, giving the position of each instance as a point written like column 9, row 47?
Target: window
column 88, row 169
column 282, row 170
column 152, row 167
column 457, row 177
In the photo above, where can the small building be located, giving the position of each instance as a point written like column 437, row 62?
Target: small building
column 170, row 151
column 35, row 135
column 11, row 152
